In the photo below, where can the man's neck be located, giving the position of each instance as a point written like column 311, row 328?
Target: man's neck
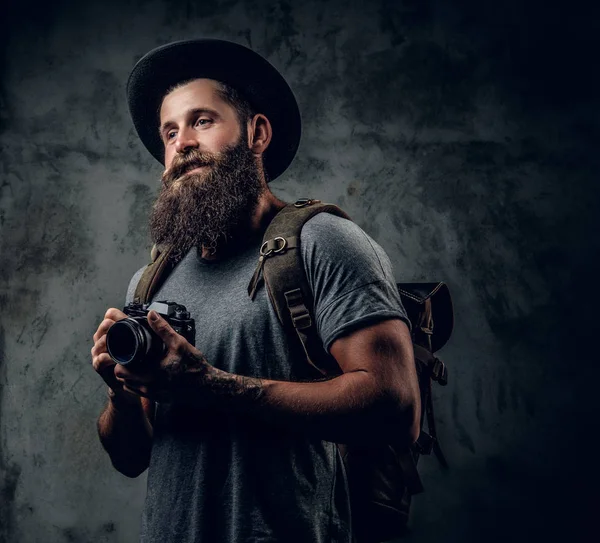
column 268, row 206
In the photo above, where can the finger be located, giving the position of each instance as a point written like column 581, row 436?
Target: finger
column 106, row 371
column 122, row 373
column 103, row 328
column 102, row 363
column 171, row 338
column 140, row 390
column 111, row 316
column 115, row 314
column 100, row 346
column 135, row 386
column 137, row 375
column 131, row 389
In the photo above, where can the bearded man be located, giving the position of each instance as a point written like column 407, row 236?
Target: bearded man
column 239, row 443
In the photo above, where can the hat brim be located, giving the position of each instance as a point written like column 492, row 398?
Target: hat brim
column 245, row 70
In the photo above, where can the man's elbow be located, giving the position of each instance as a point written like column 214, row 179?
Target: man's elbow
column 131, row 465
column 407, row 419
column 415, row 420
column 409, row 426
column 414, row 430
column 128, row 468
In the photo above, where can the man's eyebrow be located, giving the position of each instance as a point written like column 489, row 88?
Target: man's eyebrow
column 190, row 113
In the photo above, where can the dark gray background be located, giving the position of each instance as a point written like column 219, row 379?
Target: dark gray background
column 463, row 136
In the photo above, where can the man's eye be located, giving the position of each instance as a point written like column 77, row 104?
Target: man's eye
column 171, row 134
column 203, row 121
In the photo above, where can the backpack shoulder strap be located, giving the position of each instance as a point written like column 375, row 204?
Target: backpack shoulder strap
column 154, row 275
column 282, row 269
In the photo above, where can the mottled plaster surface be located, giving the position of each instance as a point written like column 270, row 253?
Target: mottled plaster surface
column 462, row 136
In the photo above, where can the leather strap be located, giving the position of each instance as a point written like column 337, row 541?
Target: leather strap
column 430, row 368
column 154, row 275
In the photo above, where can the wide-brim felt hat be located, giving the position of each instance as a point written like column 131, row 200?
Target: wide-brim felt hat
column 236, row 65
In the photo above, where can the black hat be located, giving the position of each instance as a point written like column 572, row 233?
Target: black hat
column 243, row 69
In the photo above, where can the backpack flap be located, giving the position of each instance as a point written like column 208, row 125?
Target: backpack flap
column 415, row 295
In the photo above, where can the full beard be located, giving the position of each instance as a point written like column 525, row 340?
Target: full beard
column 211, row 209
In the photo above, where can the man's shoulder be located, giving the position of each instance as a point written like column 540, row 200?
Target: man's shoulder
column 350, row 275
column 327, row 226
column 328, row 234
column 328, row 220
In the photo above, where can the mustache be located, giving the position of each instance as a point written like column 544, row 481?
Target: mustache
column 184, row 163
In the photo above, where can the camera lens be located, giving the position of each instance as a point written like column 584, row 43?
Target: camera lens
column 129, row 341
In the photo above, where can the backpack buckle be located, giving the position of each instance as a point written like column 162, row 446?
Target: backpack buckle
column 298, row 311
column 439, row 372
column 302, row 321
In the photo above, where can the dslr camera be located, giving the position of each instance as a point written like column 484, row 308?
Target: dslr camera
column 131, row 341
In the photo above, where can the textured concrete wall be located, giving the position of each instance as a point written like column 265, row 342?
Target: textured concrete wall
column 461, row 135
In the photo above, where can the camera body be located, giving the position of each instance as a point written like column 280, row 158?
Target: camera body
column 132, row 341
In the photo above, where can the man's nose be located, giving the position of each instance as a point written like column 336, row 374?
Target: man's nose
column 185, row 141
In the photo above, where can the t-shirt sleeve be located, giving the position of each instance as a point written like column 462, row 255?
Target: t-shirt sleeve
column 350, row 275
column 133, row 285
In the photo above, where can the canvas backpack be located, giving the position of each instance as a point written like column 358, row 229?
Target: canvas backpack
column 381, row 478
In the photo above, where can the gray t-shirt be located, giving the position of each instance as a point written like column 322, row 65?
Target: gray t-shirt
column 222, row 479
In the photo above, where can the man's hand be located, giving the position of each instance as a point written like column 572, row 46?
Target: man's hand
column 103, row 364
column 161, row 379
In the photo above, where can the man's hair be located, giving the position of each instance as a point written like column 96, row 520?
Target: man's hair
column 236, row 100
column 228, row 94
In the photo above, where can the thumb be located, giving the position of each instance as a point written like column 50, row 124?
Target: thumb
column 162, row 328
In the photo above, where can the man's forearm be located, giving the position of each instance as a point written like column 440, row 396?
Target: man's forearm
column 126, row 435
column 349, row 407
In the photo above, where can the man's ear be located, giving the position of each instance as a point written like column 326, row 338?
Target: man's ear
column 259, row 134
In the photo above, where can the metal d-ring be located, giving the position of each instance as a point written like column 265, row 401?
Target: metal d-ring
column 262, row 249
column 283, row 244
column 265, row 253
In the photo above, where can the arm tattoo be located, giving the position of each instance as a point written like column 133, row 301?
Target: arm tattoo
column 233, row 387
column 193, row 379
